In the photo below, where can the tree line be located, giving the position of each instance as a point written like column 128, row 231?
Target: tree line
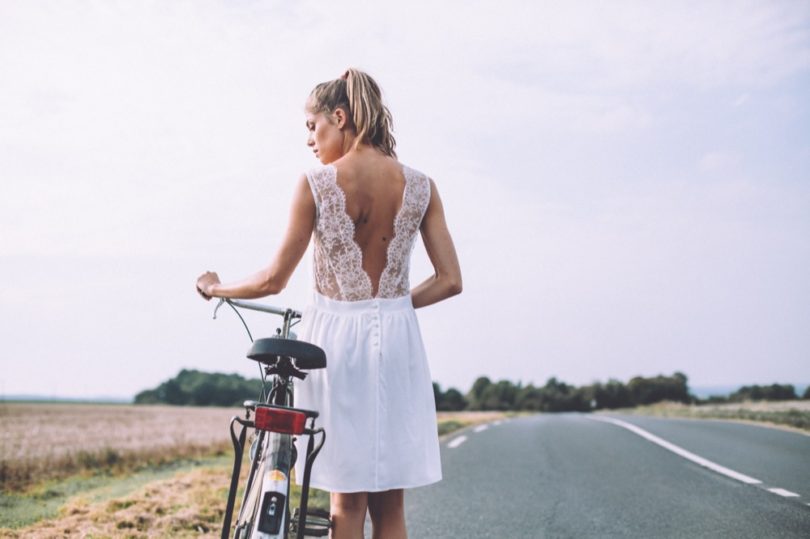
column 557, row 396
column 773, row 392
column 197, row 388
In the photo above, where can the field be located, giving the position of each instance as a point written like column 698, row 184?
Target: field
column 793, row 415
column 83, row 470
column 48, row 441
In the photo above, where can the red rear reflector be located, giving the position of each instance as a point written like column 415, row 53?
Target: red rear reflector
column 276, row 420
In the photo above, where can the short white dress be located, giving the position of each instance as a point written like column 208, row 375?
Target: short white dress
column 375, row 396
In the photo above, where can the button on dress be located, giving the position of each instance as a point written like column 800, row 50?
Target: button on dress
column 375, row 397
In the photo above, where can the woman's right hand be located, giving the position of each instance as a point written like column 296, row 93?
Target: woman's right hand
column 206, row 282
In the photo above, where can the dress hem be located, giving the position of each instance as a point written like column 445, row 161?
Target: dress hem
column 321, row 486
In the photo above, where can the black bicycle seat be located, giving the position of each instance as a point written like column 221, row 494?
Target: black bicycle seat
column 305, row 355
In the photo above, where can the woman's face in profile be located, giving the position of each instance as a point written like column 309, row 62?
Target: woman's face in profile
column 325, row 137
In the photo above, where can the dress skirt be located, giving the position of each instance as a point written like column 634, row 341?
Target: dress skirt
column 375, row 397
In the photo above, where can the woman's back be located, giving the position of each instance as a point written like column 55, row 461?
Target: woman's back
column 370, row 208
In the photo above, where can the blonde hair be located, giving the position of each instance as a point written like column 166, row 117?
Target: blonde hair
column 359, row 95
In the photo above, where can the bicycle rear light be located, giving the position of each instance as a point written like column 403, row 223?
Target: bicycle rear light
column 282, row 421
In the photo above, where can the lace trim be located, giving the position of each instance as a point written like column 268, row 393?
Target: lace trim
column 338, row 260
column 394, row 280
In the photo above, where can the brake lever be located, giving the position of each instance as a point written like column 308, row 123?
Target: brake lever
column 219, row 304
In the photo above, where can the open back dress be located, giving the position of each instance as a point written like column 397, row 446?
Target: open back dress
column 375, row 396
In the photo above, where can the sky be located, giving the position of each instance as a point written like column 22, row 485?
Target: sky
column 627, row 183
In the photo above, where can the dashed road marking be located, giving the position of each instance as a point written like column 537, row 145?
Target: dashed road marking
column 455, row 442
column 783, row 492
column 480, row 428
column 728, row 472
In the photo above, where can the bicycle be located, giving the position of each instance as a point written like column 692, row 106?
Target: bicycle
column 264, row 512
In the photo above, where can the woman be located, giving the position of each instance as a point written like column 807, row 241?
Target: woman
column 363, row 209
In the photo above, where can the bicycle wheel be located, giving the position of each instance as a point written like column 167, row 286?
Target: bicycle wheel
column 247, row 509
column 265, row 509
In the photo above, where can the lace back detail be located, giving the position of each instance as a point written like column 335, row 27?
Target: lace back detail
column 338, row 260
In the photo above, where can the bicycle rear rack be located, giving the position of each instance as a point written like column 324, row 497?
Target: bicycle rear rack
column 319, row 525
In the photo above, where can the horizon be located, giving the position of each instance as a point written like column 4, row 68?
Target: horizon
column 699, row 391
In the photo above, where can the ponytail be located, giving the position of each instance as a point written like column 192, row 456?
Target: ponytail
column 359, row 95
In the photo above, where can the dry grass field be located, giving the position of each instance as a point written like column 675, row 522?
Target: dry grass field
column 41, row 441
column 793, row 414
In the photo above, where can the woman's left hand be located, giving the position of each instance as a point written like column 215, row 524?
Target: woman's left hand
column 205, row 282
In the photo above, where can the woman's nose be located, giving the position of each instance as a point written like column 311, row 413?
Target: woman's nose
column 310, row 141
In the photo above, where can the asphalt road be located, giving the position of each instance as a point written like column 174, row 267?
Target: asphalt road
column 568, row 475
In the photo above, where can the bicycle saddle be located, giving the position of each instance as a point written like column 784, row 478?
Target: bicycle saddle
column 305, row 355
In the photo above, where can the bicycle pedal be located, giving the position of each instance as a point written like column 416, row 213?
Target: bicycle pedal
column 318, row 512
column 317, row 524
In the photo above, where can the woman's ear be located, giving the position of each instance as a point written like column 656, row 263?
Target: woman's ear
column 341, row 119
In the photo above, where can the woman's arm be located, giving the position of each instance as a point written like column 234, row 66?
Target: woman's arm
column 446, row 280
column 274, row 277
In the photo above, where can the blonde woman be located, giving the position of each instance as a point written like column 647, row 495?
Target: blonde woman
column 363, row 209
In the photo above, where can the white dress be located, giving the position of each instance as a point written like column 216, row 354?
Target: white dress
column 375, row 396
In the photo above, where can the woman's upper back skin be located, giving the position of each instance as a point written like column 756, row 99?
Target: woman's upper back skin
column 373, row 185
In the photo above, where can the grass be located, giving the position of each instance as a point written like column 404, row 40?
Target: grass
column 449, row 422
column 44, row 499
column 187, row 504
column 186, row 500
column 791, row 414
column 451, row 425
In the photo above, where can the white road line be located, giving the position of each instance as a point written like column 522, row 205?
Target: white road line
column 455, row 442
column 783, row 492
column 480, row 428
column 680, row 451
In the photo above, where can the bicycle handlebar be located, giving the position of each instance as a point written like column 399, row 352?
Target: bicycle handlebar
column 253, row 306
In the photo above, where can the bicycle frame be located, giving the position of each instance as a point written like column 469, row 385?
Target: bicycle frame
column 264, row 512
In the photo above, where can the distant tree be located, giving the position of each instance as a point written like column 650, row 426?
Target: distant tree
column 806, row 394
column 529, row 398
column 474, row 397
column 453, row 400
column 148, row 396
column 448, row 401
column 558, row 396
column 170, row 392
column 611, row 395
column 660, row 388
column 193, row 387
column 773, row 392
column 499, row 396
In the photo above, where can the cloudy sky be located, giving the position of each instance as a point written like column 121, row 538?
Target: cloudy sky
column 628, row 184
